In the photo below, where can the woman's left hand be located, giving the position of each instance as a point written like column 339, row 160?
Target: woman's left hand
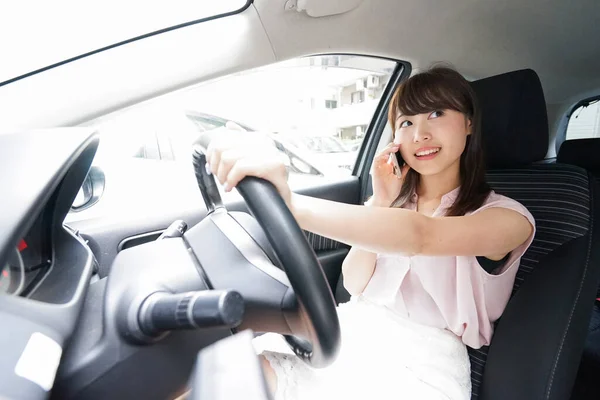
column 235, row 153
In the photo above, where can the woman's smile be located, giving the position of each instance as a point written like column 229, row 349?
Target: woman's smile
column 427, row 153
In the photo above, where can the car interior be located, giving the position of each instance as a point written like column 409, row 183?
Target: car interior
column 162, row 300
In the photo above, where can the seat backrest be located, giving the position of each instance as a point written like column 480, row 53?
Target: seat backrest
column 584, row 153
column 538, row 342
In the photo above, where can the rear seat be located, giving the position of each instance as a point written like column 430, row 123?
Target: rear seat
column 585, row 153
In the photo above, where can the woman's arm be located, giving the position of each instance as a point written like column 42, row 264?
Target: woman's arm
column 359, row 264
column 491, row 233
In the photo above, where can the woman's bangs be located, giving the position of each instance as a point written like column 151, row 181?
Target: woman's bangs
column 424, row 94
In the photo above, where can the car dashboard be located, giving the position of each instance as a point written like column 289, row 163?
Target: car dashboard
column 28, row 261
column 45, row 267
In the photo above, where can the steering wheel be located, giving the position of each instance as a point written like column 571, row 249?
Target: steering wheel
column 311, row 325
column 165, row 300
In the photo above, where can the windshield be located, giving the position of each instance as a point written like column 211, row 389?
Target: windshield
column 43, row 33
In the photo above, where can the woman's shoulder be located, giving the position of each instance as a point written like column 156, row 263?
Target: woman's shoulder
column 498, row 200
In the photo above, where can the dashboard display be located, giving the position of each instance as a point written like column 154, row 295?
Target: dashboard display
column 26, row 260
column 34, row 246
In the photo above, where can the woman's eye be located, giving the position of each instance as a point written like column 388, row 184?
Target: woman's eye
column 405, row 124
column 436, row 114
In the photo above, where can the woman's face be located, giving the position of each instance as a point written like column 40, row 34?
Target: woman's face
column 432, row 142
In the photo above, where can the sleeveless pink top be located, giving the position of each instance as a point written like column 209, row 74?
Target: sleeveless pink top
column 453, row 293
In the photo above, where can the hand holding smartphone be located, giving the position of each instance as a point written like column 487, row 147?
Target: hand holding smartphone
column 387, row 182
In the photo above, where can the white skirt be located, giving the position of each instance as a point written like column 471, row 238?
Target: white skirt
column 382, row 356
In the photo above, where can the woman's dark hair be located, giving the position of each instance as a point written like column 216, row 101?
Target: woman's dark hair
column 442, row 88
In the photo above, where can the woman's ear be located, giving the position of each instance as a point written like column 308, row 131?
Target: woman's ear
column 469, row 126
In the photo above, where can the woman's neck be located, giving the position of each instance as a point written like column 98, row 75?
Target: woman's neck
column 435, row 186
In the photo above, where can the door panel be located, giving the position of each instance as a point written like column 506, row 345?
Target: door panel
column 331, row 262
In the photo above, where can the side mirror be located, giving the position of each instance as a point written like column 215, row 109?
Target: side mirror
column 91, row 190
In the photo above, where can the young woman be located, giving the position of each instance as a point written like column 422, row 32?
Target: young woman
column 433, row 259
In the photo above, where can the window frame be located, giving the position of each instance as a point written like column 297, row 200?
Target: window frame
column 377, row 126
column 372, row 130
column 567, row 118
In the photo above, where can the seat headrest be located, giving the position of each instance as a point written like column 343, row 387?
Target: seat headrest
column 514, row 119
column 580, row 152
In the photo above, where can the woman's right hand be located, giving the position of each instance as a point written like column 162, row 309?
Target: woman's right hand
column 386, row 184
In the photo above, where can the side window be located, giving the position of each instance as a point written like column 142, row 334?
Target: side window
column 585, row 122
column 315, row 109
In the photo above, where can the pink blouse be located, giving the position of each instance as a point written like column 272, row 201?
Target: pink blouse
column 453, row 293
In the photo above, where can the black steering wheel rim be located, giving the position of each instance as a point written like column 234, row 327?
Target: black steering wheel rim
column 297, row 257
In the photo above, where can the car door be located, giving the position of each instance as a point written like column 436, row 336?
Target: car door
column 145, row 151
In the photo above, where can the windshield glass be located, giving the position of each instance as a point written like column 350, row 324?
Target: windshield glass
column 37, row 34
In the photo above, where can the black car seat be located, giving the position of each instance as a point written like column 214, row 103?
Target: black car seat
column 538, row 342
column 585, row 154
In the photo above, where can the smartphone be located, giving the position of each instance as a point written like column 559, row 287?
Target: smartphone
column 397, row 162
